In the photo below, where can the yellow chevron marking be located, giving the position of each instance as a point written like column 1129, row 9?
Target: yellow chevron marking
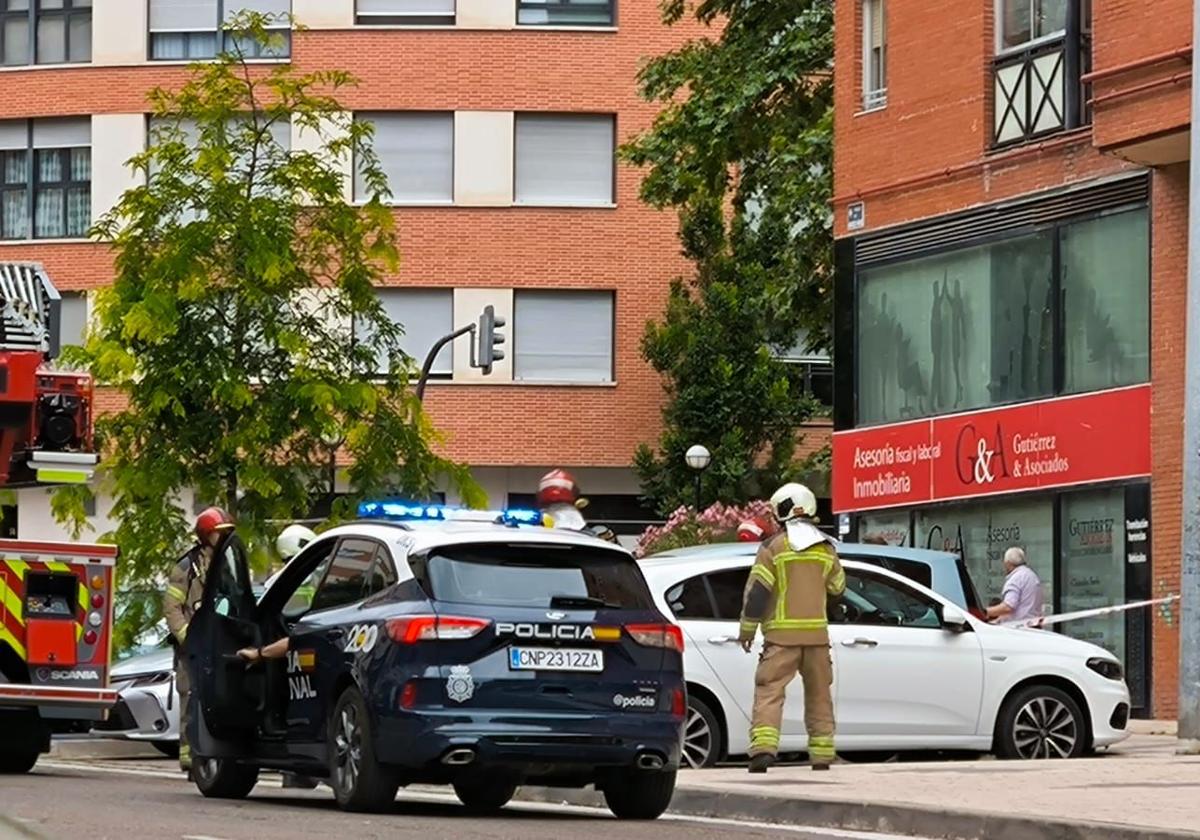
column 9, row 638
column 10, row 602
column 18, row 567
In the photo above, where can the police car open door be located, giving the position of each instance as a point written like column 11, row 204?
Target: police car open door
column 226, row 699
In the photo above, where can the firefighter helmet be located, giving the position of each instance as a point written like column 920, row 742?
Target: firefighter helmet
column 752, row 530
column 213, row 520
column 558, row 487
column 793, row 500
column 292, row 539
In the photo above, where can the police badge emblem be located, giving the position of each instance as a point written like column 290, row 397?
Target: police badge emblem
column 460, row 687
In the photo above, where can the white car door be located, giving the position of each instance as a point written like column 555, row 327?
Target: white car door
column 716, row 638
column 902, row 679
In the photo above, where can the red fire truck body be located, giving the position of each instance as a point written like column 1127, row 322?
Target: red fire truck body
column 56, row 599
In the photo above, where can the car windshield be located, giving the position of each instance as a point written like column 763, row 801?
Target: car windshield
column 517, row 575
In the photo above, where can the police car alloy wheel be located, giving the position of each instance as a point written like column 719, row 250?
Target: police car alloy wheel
column 359, row 782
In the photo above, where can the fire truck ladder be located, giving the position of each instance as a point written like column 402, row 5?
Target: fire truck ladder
column 30, row 309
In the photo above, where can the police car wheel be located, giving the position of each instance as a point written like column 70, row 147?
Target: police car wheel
column 358, row 780
column 219, row 778
column 483, row 795
column 640, row 795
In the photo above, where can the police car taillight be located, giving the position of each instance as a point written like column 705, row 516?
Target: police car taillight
column 426, row 628
column 666, row 636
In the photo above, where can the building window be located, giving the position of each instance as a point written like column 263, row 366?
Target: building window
column 1065, row 310
column 814, row 368
column 45, row 178
column 426, row 315
column 405, row 12
column 1023, row 21
column 191, row 29
column 45, row 31
column 1093, row 565
column 566, row 12
column 563, row 336
column 565, row 159
column 1106, row 302
column 416, row 152
column 874, row 63
column 981, row 533
column 72, row 321
column 1043, row 51
column 957, row 331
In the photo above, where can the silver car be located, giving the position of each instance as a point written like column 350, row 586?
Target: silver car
column 147, row 706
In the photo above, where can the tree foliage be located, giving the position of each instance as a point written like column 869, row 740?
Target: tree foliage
column 243, row 325
column 742, row 150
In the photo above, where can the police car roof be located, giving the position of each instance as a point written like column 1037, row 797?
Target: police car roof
column 421, row 535
column 927, row 556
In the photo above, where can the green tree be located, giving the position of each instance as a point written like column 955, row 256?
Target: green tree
column 243, row 326
column 742, row 150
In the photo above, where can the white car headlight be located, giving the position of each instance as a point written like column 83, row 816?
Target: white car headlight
column 1108, row 668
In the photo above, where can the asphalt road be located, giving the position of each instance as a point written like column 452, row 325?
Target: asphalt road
column 106, row 801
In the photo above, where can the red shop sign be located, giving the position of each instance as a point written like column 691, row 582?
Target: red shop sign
column 1103, row 436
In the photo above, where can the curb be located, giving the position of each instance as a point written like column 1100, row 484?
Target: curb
column 863, row 816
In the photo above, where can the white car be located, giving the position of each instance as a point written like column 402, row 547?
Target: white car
column 147, row 706
column 912, row 670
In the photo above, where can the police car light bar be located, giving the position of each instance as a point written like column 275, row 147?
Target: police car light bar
column 396, row 511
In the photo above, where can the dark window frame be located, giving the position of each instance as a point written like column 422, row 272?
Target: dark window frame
column 549, row 5
column 33, row 182
column 222, row 40
column 33, row 16
column 366, row 578
column 899, row 585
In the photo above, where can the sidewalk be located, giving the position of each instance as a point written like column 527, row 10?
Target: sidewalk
column 1140, row 790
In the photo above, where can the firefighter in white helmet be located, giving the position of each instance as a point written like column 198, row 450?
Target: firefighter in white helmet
column 785, row 594
column 291, row 539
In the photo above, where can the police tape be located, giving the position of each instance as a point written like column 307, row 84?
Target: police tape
column 1059, row 618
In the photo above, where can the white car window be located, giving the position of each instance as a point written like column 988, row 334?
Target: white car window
column 874, row 600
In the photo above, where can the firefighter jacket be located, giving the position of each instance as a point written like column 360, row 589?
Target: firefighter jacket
column 787, row 589
column 185, row 589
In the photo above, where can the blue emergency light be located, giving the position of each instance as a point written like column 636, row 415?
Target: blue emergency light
column 400, row 511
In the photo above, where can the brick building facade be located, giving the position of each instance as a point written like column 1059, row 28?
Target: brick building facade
column 1015, row 174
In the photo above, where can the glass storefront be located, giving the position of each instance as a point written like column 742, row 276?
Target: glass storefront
column 977, row 327
column 982, row 531
column 1093, row 565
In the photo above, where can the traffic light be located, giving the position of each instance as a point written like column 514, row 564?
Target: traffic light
column 490, row 339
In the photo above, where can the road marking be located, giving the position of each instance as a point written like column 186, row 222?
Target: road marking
column 542, row 807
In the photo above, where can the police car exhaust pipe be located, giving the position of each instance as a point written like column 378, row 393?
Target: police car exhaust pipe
column 459, row 757
column 649, row 761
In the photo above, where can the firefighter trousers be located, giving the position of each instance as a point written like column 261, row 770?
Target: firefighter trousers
column 183, row 684
column 777, row 666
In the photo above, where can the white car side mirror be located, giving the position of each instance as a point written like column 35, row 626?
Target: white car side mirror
column 954, row 619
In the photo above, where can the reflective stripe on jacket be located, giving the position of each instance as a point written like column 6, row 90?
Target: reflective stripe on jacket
column 786, row 592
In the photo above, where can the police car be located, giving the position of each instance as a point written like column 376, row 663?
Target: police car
column 428, row 645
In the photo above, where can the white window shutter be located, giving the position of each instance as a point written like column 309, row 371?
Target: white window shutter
column 564, row 159
column 406, row 7
column 563, row 336
column 416, row 152
column 62, row 133
column 183, row 15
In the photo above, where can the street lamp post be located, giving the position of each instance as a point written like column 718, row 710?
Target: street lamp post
column 698, row 458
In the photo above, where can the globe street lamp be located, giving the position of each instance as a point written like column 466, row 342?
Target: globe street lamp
column 698, row 458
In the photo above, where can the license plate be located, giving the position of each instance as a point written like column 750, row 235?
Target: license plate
column 555, row 659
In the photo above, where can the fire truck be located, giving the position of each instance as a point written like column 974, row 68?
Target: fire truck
column 56, row 599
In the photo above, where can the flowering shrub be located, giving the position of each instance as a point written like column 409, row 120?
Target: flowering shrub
column 685, row 527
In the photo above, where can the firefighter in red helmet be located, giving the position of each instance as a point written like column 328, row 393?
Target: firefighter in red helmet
column 185, row 589
column 559, row 500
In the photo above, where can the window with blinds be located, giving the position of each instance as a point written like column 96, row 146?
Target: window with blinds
column 563, row 336
column 566, row 12
column 416, row 152
column 874, row 62
column 565, row 159
column 45, row 178
column 45, row 31
column 191, row 29
column 426, row 315
column 405, row 12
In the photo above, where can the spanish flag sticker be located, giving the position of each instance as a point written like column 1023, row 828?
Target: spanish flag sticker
column 306, row 660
